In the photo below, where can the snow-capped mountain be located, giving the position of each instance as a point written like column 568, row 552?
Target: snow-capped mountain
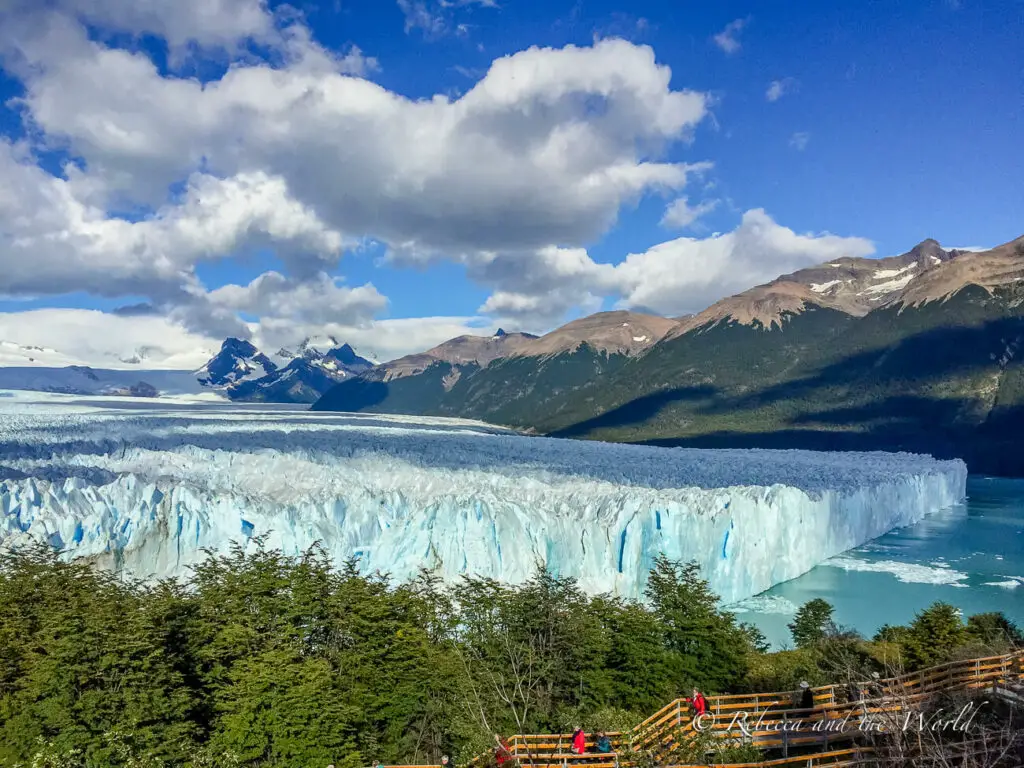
column 298, row 376
column 328, row 353
column 83, row 380
column 25, row 355
column 100, row 356
column 857, row 286
column 238, row 361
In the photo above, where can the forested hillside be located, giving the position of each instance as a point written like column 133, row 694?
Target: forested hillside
column 943, row 378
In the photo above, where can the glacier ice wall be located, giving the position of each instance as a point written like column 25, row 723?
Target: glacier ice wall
column 144, row 489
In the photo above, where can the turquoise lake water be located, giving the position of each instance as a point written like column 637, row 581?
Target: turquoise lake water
column 971, row 556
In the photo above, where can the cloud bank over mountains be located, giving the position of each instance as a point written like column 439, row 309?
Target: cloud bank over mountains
column 130, row 174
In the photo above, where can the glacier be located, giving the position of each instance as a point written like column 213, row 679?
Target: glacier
column 144, row 488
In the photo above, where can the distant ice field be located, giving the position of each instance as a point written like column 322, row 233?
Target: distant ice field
column 143, row 487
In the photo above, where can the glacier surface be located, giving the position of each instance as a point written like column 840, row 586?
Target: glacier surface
column 143, row 488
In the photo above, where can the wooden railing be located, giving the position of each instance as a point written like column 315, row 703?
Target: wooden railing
column 772, row 720
column 856, row 756
column 775, row 710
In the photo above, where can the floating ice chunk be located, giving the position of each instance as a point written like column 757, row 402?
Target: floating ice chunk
column 910, row 573
column 765, row 604
column 1012, row 582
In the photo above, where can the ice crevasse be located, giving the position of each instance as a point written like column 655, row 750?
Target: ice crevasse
column 145, row 491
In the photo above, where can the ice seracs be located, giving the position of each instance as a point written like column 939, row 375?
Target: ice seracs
column 145, row 491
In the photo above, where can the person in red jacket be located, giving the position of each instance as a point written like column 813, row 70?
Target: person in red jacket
column 699, row 703
column 579, row 741
column 503, row 752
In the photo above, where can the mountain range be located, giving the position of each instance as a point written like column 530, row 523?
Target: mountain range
column 243, row 372
column 918, row 352
column 238, row 371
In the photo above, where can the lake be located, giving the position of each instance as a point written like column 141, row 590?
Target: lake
column 971, row 555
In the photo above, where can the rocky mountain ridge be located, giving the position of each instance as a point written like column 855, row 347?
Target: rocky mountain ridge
column 920, row 352
column 243, row 372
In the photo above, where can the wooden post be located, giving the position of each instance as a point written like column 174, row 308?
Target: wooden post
column 785, row 736
column 679, row 714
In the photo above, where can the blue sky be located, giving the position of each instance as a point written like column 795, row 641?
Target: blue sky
column 399, row 171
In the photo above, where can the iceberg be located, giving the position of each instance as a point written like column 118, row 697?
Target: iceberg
column 143, row 489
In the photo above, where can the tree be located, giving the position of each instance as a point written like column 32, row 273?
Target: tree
column 84, row 656
column 282, row 709
column 813, row 623
column 933, row 635
column 889, row 633
column 636, row 659
column 994, row 629
column 708, row 649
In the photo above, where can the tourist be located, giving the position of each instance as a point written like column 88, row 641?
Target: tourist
column 853, row 693
column 604, row 744
column 806, row 696
column 876, row 683
column 579, row 741
column 502, row 752
column 698, row 702
column 445, row 762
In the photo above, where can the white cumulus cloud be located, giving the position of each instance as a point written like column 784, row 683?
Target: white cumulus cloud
column 306, row 157
column 312, row 302
column 51, row 242
column 688, row 274
column 106, row 340
column 672, row 278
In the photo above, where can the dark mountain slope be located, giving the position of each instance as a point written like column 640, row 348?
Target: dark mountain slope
column 505, row 378
column 944, row 378
column 510, row 391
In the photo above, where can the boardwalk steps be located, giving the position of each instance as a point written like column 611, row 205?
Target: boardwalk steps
column 772, row 722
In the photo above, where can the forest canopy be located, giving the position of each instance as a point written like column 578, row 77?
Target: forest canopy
column 263, row 659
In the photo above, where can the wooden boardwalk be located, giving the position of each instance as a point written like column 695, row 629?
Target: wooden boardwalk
column 769, row 721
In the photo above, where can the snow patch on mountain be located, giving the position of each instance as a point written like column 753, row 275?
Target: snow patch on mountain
column 822, row 287
column 884, row 274
column 82, row 380
column 890, row 285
